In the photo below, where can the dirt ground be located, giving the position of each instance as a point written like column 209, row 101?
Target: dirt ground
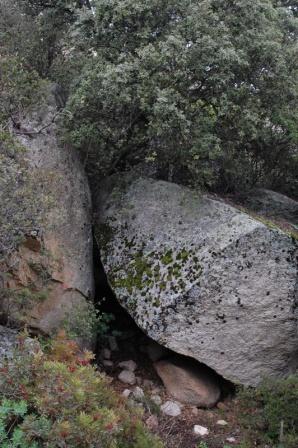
column 177, row 432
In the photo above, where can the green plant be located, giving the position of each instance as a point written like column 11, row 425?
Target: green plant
column 86, row 322
column 71, row 403
column 271, row 410
column 16, row 302
column 202, row 445
column 12, row 414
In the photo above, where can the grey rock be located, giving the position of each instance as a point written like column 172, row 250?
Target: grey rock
column 126, row 393
column 139, row 380
column 138, row 393
column 127, row 377
column 108, row 363
column 202, row 278
column 200, row 430
column 171, row 408
column 105, row 353
column 56, row 249
column 113, row 344
column 128, row 365
column 148, row 384
column 222, row 423
column 272, row 205
column 8, row 341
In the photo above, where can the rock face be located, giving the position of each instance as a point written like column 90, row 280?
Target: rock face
column 45, row 233
column 202, row 278
column 8, row 340
column 273, row 205
column 188, row 382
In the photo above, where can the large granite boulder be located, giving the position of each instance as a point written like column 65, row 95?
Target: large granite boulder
column 201, row 277
column 45, row 232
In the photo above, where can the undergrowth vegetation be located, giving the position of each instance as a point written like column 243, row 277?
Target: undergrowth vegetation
column 270, row 412
column 58, row 399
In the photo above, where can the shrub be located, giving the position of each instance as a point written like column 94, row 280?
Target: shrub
column 85, row 322
column 11, row 436
column 69, row 402
column 271, row 407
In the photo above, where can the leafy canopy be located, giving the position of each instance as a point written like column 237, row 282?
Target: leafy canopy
column 207, row 90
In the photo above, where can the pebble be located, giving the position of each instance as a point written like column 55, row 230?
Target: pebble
column 113, row 344
column 222, row 423
column 148, row 384
column 221, row 405
column 128, row 365
column 138, row 393
column 194, row 411
column 107, row 363
column 171, row 408
column 105, row 353
column 126, row 393
column 139, row 380
column 200, row 430
column 127, row 377
column 231, row 440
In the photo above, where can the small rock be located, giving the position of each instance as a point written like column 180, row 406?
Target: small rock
column 171, row 408
column 105, row 353
column 221, row 423
column 156, row 399
column 127, row 377
column 194, row 411
column 148, row 384
column 107, row 363
column 156, row 391
column 126, row 393
column 139, row 380
column 152, row 422
column 128, row 365
column 231, row 440
column 221, row 406
column 138, row 393
column 113, row 344
column 200, row 430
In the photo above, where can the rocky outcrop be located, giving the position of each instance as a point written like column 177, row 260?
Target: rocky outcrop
column 189, row 382
column 45, row 234
column 272, row 205
column 201, row 277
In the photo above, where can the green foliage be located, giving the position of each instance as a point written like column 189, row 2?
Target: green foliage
column 15, row 303
column 11, row 413
column 270, row 406
column 71, row 404
column 19, row 88
column 207, row 90
column 86, row 322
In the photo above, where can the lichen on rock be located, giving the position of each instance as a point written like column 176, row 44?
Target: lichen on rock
column 202, row 278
